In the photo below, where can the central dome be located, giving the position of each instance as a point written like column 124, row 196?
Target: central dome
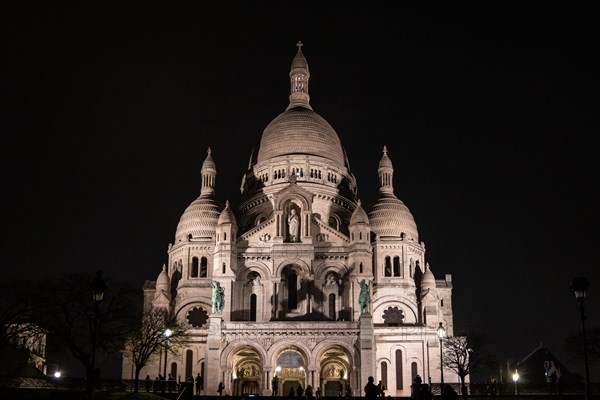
column 300, row 130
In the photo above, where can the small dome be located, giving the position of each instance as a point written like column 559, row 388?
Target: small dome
column 199, row 219
column 163, row 282
column 390, row 217
column 385, row 161
column 428, row 280
column 209, row 163
column 359, row 216
column 227, row 216
column 299, row 63
column 300, row 131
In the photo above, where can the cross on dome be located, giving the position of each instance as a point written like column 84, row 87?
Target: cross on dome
column 299, row 44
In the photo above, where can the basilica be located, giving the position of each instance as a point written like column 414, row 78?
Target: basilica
column 301, row 284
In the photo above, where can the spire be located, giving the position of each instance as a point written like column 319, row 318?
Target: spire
column 386, row 173
column 208, row 174
column 299, row 76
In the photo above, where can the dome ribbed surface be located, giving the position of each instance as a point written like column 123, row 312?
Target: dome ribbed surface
column 199, row 219
column 300, row 131
column 390, row 217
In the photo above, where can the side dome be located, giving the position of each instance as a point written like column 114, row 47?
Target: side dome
column 198, row 220
column 300, row 130
column 390, row 217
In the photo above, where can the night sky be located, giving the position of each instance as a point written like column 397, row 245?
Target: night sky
column 489, row 115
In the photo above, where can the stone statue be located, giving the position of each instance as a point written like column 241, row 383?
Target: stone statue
column 364, row 298
column 218, row 298
column 293, row 223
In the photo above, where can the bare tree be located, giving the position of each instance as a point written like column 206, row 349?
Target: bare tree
column 76, row 322
column 464, row 355
column 143, row 344
column 16, row 323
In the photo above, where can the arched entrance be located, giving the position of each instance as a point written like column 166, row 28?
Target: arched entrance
column 335, row 375
column 290, row 368
column 247, row 367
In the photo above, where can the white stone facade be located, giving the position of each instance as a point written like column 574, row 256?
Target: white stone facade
column 292, row 303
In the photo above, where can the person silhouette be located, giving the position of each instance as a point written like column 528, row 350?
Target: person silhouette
column 371, row 390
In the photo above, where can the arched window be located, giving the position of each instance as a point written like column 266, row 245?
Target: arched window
column 387, row 271
column 224, row 236
column 384, row 374
column 194, row 271
column 399, row 385
column 202, row 374
column 396, row 266
column 332, row 307
column 203, row 267
column 253, row 307
column 413, row 371
column 292, row 285
column 224, row 268
column 360, row 268
column 174, row 370
column 189, row 360
column 334, row 222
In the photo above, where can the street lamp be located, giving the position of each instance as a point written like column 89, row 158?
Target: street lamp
column 515, row 380
column 579, row 285
column 168, row 333
column 99, row 288
column 56, row 376
column 441, row 333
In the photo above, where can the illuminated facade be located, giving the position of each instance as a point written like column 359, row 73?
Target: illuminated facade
column 292, row 259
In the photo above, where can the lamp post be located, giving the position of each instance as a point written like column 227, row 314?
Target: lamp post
column 441, row 333
column 579, row 285
column 167, row 334
column 515, row 380
column 56, row 377
column 99, row 288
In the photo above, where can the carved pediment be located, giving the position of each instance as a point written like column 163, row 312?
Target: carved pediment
column 323, row 233
column 293, row 191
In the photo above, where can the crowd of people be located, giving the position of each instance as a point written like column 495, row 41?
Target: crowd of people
column 162, row 385
column 419, row 390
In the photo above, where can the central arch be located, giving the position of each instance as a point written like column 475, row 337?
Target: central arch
column 291, row 368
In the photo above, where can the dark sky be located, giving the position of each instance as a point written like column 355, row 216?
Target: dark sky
column 489, row 114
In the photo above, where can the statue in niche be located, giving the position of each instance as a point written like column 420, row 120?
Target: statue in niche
column 331, row 279
column 293, row 225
